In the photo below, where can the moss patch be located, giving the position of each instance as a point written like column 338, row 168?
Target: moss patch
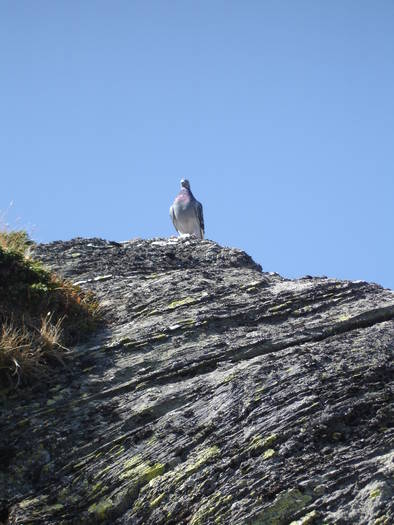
column 307, row 519
column 269, row 453
column 100, row 510
column 382, row 520
column 375, row 493
column 283, row 508
column 182, row 302
column 259, row 443
column 156, row 501
column 202, row 458
column 279, row 307
column 140, row 471
column 210, row 508
column 228, row 379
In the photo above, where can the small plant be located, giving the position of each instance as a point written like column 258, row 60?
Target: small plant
column 40, row 313
column 17, row 241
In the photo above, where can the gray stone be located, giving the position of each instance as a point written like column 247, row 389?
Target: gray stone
column 215, row 393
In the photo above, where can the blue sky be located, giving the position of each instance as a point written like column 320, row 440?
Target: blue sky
column 280, row 113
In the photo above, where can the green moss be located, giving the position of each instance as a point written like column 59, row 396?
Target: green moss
column 375, row 493
column 228, row 379
column 132, row 462
column 116, row 450
column 156, row 501
column 98, row 486
column 258, row 443
column 152, row 471
column 100, row 510
column 56, row 507
column 181, row 302
column 202, row 458
column 140, row 471
column 269, row 453
column 187, row 322
column 283, row 508
column 279, row 307
column 141, row 386
column 152, row 276
column 302, row 311
column 26, row 503
column 382, row 520
column 128, row 343
column 259, row 391
column 159, row 337
column 307, row 519
column 103, row 471
column 140, row 310
column 270, row 440
column 209, row 508
column 145, row 311
column 132, row 344
column 63, row 494
column 175, row 477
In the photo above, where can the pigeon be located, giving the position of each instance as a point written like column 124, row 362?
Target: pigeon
column 186, row 212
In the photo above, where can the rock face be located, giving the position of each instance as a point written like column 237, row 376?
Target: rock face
column 215, row 394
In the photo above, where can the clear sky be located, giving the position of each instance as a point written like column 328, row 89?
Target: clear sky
column 279, row 112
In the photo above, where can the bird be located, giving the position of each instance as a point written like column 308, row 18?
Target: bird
column 186, row 212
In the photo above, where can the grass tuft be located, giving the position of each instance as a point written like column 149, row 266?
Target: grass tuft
column 40, row 314
column 17, row 240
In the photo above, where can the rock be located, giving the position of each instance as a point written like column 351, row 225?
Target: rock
column 216, row 393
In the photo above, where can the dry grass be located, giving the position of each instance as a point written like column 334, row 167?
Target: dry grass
column 14, row 351
column 25, row 355
column 51, row 334
column 40, row 314
column 19, row 356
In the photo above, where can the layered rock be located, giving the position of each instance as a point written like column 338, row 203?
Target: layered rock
column 215, row 393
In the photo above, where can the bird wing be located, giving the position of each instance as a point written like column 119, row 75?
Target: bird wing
column 173, row 218
column 200, row 217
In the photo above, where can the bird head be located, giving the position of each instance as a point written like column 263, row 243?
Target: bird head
column 185, row 184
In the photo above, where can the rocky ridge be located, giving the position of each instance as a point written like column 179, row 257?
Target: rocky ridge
column 216, row 393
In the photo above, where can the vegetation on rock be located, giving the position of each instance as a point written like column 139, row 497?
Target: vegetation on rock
column 40, row 313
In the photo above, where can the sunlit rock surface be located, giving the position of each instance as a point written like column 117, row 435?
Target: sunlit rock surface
column 215, row 394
